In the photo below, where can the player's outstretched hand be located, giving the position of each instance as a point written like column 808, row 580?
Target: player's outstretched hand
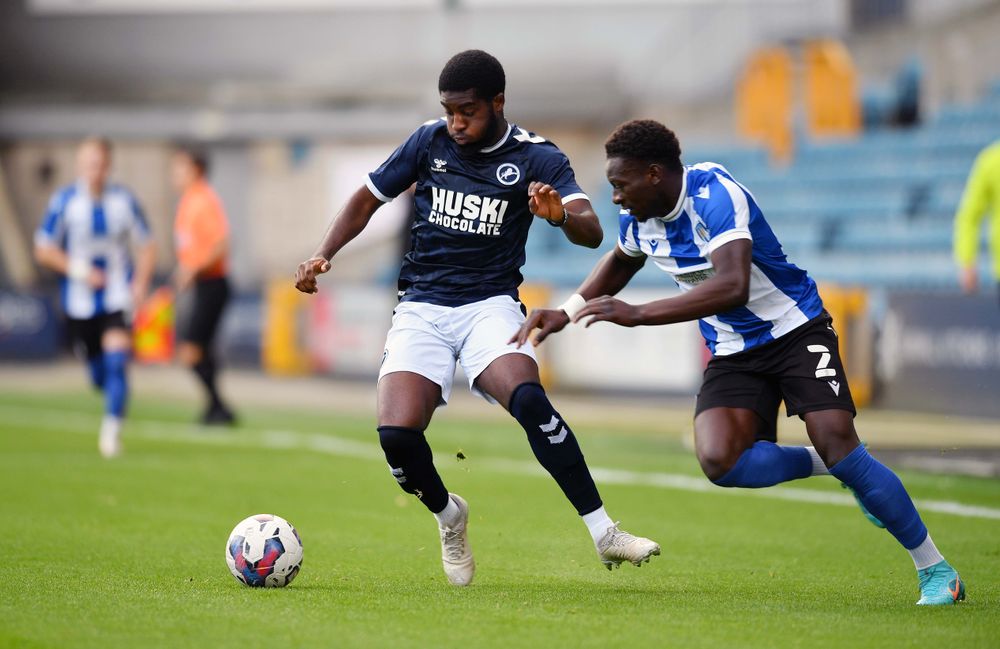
column 545, row 201
column 609, row 309
column 547, row 321
column 305, row 275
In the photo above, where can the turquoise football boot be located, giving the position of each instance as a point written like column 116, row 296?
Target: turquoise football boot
column 940, row 585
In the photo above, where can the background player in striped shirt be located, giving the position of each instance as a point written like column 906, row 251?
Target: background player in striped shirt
column 764, row 322
column 86, row 237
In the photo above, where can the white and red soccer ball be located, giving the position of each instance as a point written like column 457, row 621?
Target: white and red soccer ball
column 264, row 551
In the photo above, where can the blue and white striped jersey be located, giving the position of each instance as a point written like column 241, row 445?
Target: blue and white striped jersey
column 713, row 210
column 98, row 232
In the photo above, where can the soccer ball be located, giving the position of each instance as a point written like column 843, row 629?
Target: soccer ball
column 264, row 551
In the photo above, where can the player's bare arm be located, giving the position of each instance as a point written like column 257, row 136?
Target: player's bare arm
column 611, row 274
column 577, row 218
column 56, row 260
column 728, row 289
column 348, row 223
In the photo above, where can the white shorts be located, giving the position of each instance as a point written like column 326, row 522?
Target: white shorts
column 427, row 339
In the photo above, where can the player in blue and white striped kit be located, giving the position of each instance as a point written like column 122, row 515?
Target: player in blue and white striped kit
column 763, row 320
column 85, row 237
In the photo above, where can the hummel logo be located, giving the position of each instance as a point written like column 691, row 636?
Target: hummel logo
column 836, row 387
column 439, row 165
column 551, row 426
column 703, row 193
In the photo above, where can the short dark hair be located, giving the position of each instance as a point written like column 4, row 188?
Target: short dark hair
column 646, row 140
column 197, row 155
column 474, row 70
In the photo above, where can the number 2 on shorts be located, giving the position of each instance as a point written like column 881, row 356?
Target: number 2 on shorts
column 822, row 371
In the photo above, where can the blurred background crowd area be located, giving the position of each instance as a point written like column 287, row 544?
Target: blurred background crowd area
column 855, row 123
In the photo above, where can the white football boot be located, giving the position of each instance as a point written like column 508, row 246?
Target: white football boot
column 456, row 555
column 617, row 545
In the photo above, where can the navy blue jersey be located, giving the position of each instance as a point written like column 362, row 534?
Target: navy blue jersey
column 471, row 215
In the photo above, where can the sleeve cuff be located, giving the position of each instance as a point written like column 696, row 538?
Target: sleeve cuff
column 43, row 238
column 727, row 237
column 630, row 253
column 575, row 197
column 375, row 190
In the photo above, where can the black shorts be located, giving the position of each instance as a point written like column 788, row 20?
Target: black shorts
column 85, row 335
column 199, row 325
column 802, row 368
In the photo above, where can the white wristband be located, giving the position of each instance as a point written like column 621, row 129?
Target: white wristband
column 78, row 269
column 573, row 305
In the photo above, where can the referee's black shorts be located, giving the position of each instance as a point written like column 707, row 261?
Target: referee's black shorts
column 802, row 368
column 199, row 325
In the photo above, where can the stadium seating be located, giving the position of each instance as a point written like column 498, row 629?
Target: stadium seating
column 874, row 211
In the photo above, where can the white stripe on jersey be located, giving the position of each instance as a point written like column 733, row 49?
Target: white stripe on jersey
column 767, row 302
column 729, row 342
column 741, row 217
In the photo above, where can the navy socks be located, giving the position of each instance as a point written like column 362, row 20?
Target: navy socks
column 555, row 446
column 412, row 464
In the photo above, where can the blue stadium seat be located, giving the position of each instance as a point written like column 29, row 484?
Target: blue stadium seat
column 875, row 210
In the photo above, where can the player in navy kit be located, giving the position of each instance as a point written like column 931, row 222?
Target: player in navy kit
column 764, row 322
column 480, row 183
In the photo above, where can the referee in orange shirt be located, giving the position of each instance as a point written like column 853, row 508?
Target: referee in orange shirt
column 201, row 235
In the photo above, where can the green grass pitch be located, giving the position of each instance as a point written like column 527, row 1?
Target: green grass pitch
column 129, row 553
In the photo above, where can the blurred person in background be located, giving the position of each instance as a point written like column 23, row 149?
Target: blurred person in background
column 981, row 197
column 201, row 236
column 85, row 237
column 480, row 184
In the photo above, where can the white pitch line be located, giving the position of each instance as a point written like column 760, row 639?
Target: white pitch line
column 69, row 421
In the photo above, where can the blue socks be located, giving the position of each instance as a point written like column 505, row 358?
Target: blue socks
column 883, row 495
column 115, row 383
column 95, row 365
column 108, row 374
column 766, row 464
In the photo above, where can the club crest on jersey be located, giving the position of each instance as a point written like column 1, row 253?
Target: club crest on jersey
column 467, row 212
column 508, row 173
column 702, row 232
column 439, row 165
